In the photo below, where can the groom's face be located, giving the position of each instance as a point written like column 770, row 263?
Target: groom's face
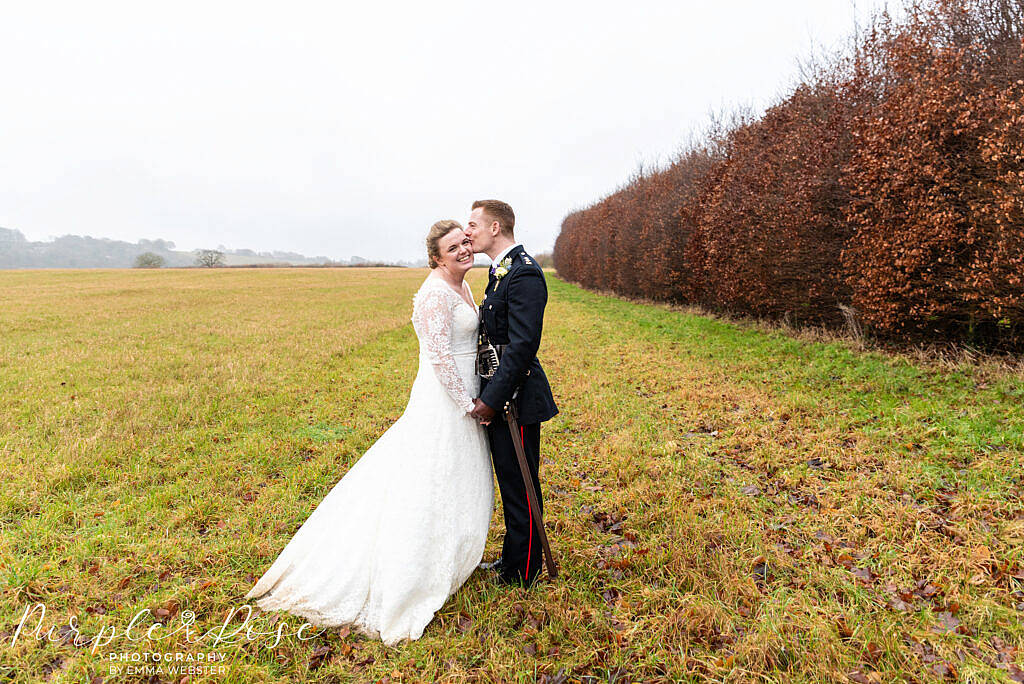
column 481, row 229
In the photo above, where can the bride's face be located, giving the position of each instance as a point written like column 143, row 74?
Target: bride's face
column 456, row 252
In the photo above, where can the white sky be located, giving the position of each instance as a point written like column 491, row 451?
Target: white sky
column 340, row 129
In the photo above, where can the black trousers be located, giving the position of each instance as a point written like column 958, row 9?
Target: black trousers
column 521, row 550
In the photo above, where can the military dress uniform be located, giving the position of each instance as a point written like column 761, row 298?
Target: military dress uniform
column 512, row 313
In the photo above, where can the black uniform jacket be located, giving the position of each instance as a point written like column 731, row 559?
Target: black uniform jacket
column 513, row 315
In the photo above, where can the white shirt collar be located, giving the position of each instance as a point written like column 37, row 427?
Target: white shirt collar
column 496, row 260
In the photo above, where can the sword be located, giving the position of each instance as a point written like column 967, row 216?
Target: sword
column 512, row 418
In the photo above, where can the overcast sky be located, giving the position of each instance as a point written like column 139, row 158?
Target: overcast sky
column 341, row 129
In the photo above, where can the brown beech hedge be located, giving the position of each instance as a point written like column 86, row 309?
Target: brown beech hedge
column 892, row 182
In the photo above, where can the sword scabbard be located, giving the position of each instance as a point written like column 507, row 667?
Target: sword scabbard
column 512, row 418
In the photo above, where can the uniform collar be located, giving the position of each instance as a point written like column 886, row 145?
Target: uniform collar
column 504, row 253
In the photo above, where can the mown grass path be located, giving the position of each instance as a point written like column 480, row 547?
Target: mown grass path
column 726, row 503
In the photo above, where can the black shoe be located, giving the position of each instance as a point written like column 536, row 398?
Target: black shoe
column 503, row 580
column 496, row 566
column 514, row 579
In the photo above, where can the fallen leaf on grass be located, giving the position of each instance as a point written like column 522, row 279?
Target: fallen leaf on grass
column 949, row 623
column 944, row 670
column 619, row 674
column 607, row 522
column 316, row 658
column 465, row 623
column 864, row 575
column 67, row 635
column 55, row 664
column 872, row 652
column 558, row 678
column 615, row 566
column 803, row 499
column 898, row 604
column 726, row 662
column 844, row 630
column 926, row 589
column 759, row 570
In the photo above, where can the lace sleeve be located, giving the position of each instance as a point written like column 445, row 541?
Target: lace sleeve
column 432, row 317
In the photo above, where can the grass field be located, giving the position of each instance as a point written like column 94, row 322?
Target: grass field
column 727, row 503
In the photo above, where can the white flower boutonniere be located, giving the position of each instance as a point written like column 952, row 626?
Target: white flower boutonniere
column 502, row 270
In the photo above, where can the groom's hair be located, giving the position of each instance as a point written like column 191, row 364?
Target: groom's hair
column 498, row 211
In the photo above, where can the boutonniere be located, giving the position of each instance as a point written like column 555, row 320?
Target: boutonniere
column 502, row 270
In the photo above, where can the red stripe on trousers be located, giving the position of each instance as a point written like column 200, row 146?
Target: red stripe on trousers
column 529, row 545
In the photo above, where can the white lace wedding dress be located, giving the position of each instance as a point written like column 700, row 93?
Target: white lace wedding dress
column 406, row 525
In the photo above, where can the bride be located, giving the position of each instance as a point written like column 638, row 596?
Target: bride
column 406, row 525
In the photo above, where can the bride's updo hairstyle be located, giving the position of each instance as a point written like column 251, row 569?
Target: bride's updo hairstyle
column 438, row 231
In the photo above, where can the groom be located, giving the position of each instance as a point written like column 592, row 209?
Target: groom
column 513, row 313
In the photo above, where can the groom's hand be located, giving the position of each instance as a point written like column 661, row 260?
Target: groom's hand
column 482, row 412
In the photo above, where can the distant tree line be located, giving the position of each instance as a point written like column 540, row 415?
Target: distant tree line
column 72, row 251
column 885, row 191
